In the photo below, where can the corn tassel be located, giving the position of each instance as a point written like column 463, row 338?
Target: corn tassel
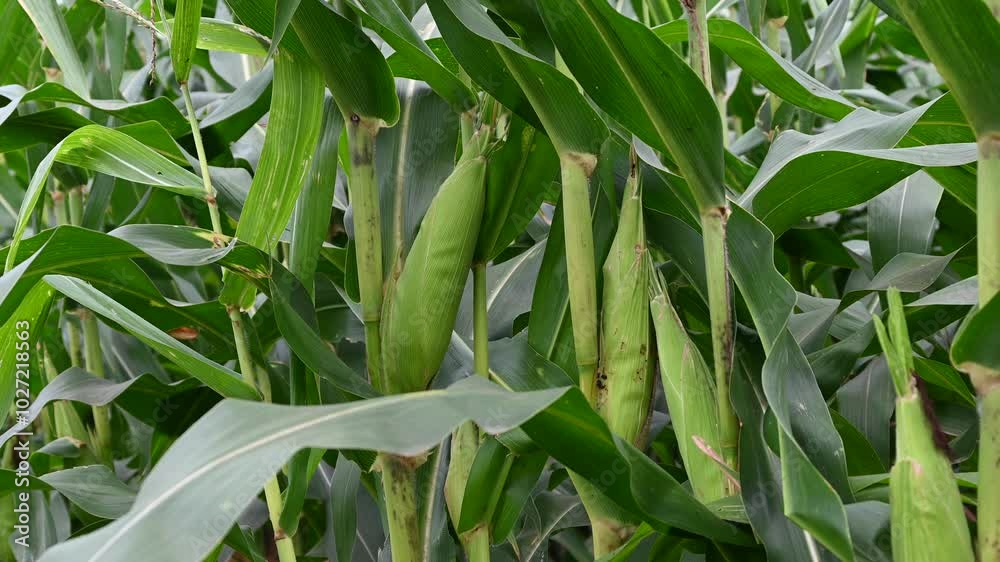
column 419, row 315
column 625, row 382
column 923, row 492
column 690, row 393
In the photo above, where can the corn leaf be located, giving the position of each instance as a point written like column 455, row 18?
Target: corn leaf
column 293, row 131
column 388, row 20
column 49, row 21
column 340, row 49
column 779, row 75
column 198, row 491
column 628, row 71
column 221, row 379
column 184, row 37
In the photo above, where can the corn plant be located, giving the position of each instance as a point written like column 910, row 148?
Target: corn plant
column 499, row 280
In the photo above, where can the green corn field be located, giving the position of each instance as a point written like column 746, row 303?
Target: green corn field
column 500, row 280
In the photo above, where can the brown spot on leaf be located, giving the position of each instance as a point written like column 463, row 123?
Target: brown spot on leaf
column 184, row 333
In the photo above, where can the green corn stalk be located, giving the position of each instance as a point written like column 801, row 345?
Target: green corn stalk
column 690, row 393
column 466, row 440
column 713, row 225
column 923, row 491
column 272, row 491
column 581, row 272
column 363, row 188
column 625, row 382
column 67, row 421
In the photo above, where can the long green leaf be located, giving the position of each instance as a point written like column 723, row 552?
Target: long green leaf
column 49, row 21
column 196, row 476
column 158, row 109
column 223, row 380
column 386, row 18
column 569, row 120
column 145, row 396
column 355, row 71
column 777, row 74
column 184, row 40
column 292, row 134
column 629, row 72
column 848, row 164
column 955, row 34
column 110, row 152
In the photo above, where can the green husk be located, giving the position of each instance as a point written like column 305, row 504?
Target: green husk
column 421, row 305
column 690, row 392
column 923, row 491
column 625, row 381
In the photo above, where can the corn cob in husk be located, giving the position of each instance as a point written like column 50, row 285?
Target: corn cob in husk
column 625, row 381
column 923, row 492
column 690, row 392
column 421, row 304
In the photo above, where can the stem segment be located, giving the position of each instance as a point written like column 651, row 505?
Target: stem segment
column 581, row 273
column 272, row 491
column 698, row 39
column 480, row 321
column 713, row 224
column 987, row 382
column 213, row 206
column 93, row 359
column 399, row 481
column 363, row 189
column 282, row 542
column 466, row 439
column 720, row 306
column 94, row 362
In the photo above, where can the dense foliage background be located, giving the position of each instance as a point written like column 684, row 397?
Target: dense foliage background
column 219, row 258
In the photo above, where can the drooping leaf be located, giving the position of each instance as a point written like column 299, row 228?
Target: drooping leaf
column 209, row 465
column 110, row 152
column 848, row 164
column 340, row 50
column 777, row 74
column 223, row 380
column 568, row 119
column 157, row 109
column 388, row 20
column 953, row 35
column 144, row 397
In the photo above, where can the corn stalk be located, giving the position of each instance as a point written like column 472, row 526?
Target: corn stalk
column 713, row 225
column 363, row 187
column 272, row 492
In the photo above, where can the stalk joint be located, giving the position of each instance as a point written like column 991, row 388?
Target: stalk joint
column 989, row 145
